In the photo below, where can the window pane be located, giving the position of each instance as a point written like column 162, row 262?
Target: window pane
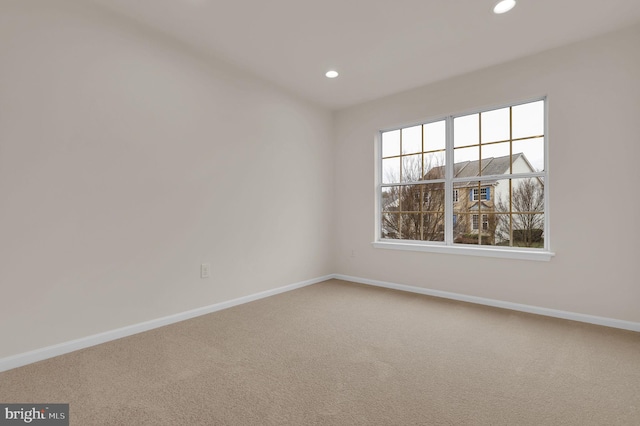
column 499, row 226
column 460, row 224
column 485, row 240
column 421, row 198
column 528, row 230
column 410, row 198
column 495, row 125
column 474, row 228
column 466, row 130
column 487, row 229
column 462, row 155
column 389, row 227
column 528, row 120
column 391, row 143
column 422, row 212
column 525, row 206
column 495, row 159
column 412, row 168
column 433, row 227
column 434, row 165
column 435, row 135
column 533, row 150
column 474, row 222
column 390, row 199
column 391, row 170
column 412, row 140
column 463, row 228
column 527, row 195
column 433, row 197
column 410, row 226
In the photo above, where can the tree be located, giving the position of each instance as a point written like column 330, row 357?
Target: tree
column 526, row 226
column 414, row 212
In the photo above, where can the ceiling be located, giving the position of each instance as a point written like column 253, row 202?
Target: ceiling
column 379, row 47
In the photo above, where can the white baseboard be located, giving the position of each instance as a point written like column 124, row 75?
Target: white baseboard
column 591, row 319
column 19, row 360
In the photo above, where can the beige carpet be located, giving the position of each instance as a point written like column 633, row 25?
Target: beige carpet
column 340, row 353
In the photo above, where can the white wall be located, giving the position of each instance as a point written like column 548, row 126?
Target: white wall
column 127, row 160
column 593, row 90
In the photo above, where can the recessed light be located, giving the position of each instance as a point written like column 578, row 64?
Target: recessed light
column 504, row 6
column 332, row 74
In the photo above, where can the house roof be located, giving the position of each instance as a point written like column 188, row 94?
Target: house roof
column 470, row 169
column 490, row 166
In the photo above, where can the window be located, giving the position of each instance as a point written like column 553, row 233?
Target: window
column 484, row 194
column 495, row 160
column 485, row 222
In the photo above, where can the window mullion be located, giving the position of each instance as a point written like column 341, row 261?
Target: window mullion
column 448, row 183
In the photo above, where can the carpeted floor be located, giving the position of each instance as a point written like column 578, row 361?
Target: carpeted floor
column 338, row 353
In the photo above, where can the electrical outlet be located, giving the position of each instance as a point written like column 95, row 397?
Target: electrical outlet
column 205, row 270
column 353, row 253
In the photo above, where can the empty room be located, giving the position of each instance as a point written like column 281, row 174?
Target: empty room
column 285, row 212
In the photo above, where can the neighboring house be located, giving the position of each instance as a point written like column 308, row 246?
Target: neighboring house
column 475, row 204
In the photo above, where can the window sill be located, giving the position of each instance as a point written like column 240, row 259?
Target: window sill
column 505, row 253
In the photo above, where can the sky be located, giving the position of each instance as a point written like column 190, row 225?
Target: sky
column 479, row 130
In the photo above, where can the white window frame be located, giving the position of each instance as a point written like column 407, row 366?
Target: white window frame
column 483, row 193
column 448, row 247
column 475, row 222
column 475, row 219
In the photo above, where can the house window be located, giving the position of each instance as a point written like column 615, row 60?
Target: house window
column 485, row 222
column 484, row 194
column 495, row 159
